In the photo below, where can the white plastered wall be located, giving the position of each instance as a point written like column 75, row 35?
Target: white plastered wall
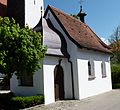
column 36, row 89
column 33, row 12
column 48, row 69
column 98, row 85
column 72, row 50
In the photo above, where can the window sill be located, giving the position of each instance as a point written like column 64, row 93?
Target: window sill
column 104, row 76
column 91, row 77
column 25, row 85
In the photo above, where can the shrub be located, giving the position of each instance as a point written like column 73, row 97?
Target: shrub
column 5, row 100
column 10, row 102
column 24, row 102
column 5, row 83
column 115, row 70
column 116, row 85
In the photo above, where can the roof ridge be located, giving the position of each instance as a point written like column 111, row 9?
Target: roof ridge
column 66, row 14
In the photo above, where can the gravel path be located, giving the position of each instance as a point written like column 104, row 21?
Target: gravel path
column 106, row 101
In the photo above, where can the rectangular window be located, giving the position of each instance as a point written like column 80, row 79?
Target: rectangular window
column 103, row 69
column 26, row 80
column 91, row 72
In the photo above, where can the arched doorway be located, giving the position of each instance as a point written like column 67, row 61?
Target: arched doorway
column 59, row 82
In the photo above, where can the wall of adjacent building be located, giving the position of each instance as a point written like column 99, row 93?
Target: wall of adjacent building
column 36, row 89
column 33, row 12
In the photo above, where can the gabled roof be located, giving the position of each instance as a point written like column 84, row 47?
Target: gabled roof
column 78, row 32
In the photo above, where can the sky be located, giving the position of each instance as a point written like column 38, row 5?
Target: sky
column 103, row 16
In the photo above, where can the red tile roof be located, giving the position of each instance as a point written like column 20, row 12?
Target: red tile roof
column 4, row 2
column 79, row 32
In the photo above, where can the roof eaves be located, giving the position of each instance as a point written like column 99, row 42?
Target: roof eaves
column 55, row 55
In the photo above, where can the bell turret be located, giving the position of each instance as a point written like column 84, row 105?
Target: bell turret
column 82, row 14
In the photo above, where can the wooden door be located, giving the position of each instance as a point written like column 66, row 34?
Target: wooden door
column 59, row 83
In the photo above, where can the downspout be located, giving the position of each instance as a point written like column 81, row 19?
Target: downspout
column 71, row 64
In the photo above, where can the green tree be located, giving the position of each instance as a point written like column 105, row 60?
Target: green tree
column 115, row 45
column 21, row 49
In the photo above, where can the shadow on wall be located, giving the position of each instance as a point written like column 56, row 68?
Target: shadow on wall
column 3, row 10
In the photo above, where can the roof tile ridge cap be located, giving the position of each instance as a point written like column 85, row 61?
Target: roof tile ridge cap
column 73, row 18
column 66, row 14
column 53, row 8
column 59, row 11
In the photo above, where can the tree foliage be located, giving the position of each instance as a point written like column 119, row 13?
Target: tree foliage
column 115, row 45
column 20, row 48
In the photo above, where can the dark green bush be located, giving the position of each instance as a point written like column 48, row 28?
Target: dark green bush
column 5, row 100
column 5, row 83
column 115, row 70
column 24, row 102
column 10, row 102
column 116, row 85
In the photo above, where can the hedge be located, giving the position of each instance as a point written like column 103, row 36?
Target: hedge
column 115, row 70
column 25, row 102
column 10, row 102
column 5, row 100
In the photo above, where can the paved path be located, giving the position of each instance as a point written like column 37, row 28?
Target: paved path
column 106, row 101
